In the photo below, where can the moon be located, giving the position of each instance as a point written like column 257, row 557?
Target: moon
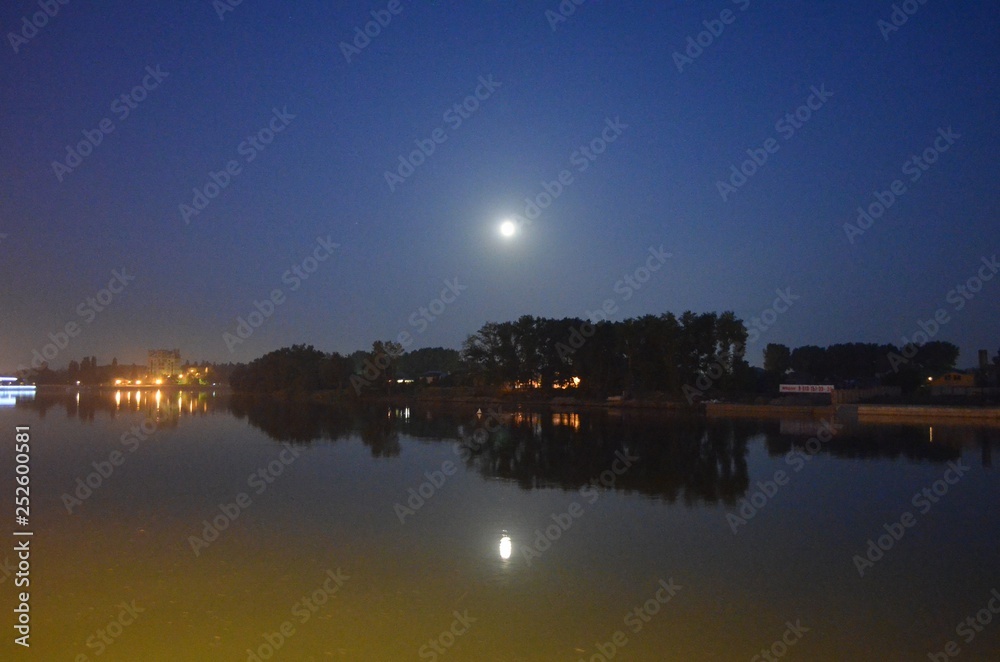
column 508, row 228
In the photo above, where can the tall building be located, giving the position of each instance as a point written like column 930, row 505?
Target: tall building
column 164, row 362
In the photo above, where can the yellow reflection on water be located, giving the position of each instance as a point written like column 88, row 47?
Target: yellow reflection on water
column 569, row 420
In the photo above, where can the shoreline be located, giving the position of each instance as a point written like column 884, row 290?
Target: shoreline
column 874, row 414
column 854, row 413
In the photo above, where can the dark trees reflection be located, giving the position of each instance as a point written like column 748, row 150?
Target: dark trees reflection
column 690, row 459
column 678, row 458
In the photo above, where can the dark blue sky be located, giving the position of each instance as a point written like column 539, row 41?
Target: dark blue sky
column 656, row 185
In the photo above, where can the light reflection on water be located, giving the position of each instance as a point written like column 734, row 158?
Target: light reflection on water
column 498, row 537
column 506, row 546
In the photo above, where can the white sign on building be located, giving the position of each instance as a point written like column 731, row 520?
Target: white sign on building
column 806, row 388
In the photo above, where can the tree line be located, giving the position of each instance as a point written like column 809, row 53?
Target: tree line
column 640, row 355
column 691, row 355
column 303, row 368
column 864, row 364
column 644, row 354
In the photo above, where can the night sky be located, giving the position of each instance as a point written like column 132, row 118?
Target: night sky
column 308, row 136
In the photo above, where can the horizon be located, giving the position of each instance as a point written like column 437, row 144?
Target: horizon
column 754, row 362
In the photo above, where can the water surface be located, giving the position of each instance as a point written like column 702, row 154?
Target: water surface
column 603, row 512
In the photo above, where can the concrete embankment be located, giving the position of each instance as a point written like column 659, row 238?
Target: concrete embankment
column 864, row 413
column 726, row 410
column 930, row 413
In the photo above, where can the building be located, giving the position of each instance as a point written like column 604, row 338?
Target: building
column 432, row 377
column 955, row 379
column 164, row 362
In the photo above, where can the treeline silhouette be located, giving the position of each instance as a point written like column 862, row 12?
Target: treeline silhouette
column 304, row 369
column 649, row 353
column 863, row 363
column 686, row 355
column 645, row 354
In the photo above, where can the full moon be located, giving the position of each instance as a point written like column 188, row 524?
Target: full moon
column 508, row 228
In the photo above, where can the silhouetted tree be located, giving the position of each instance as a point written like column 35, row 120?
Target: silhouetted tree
column 427, row 359
column 293, row 369
column 809, row 359
column 937, row 356
column 648, row 353
column 777, row 358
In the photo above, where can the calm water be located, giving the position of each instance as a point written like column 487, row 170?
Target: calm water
column 604, row 513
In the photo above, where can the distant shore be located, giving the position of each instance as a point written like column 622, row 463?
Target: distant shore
column 917, row 414
column 861, row 413
column 468, row 397
column 64, row 388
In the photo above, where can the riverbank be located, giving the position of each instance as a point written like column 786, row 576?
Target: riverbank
column 107, row 388
column 659, row 403
column 477, row 398
column 916, row 414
